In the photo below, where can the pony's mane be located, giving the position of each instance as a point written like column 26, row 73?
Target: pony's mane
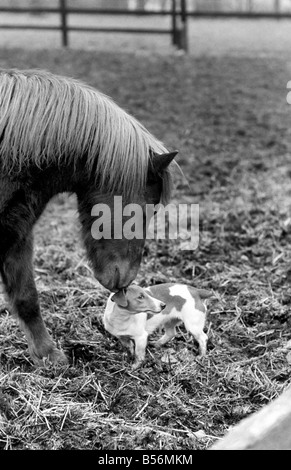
column 45, row 119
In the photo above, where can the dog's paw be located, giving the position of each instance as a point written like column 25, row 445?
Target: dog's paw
column 136, row 365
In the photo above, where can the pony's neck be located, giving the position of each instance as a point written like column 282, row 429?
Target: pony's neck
column 55, row 179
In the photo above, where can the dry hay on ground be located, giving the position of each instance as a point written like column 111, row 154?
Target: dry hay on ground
column 230, row 119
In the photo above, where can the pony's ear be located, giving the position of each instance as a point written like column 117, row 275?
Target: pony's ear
column 161, row 161
column 120, row 298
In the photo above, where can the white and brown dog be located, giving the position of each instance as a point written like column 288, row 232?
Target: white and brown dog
column 135, row 313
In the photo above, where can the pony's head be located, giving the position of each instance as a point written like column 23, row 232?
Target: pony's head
column 48, row 121
column 116, row 256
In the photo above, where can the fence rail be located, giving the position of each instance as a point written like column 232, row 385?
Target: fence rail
column 177, row 13
column 87, row 11
column 239, row 14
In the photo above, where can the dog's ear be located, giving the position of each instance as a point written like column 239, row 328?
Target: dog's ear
column 120, row 298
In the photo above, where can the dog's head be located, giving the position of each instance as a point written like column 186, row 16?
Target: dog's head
column 134, row 299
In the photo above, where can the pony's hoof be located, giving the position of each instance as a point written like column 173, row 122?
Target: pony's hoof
column 55, row 357
column 58, row 357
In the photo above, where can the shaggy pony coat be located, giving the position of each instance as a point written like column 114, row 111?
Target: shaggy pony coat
column 56, row 135
column 49, row 119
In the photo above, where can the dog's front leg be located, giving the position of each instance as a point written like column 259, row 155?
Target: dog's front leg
column 140, row 349
column 128, row 344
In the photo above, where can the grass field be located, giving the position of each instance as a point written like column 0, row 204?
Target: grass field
column 229, row 118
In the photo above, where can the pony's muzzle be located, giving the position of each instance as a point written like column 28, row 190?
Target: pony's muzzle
column 118, row 279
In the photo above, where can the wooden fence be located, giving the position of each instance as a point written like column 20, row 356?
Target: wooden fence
column 178, row 14
column 268, row 429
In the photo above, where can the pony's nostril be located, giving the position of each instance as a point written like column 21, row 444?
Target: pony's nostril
column 163, row 305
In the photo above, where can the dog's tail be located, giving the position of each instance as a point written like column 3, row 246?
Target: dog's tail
column 205, row 294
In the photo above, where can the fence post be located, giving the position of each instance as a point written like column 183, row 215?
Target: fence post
column 174, row 23
column 184, row 31
column 180, row 27
column 64, row 28
column 277, row 6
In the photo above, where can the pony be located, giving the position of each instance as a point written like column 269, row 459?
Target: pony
column 58, row 134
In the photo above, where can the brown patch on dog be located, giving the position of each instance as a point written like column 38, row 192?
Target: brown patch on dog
column 162, row 292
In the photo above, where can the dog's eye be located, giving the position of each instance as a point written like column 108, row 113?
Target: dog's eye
column 141, row 296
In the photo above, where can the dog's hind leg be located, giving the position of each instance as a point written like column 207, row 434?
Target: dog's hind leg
column 202, row 339
column 170, row 332
column 17, row 274
column 196, row 329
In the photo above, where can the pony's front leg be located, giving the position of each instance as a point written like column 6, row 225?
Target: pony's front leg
column 17, row 273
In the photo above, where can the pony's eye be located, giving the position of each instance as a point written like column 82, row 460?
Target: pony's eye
column 141, row 296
